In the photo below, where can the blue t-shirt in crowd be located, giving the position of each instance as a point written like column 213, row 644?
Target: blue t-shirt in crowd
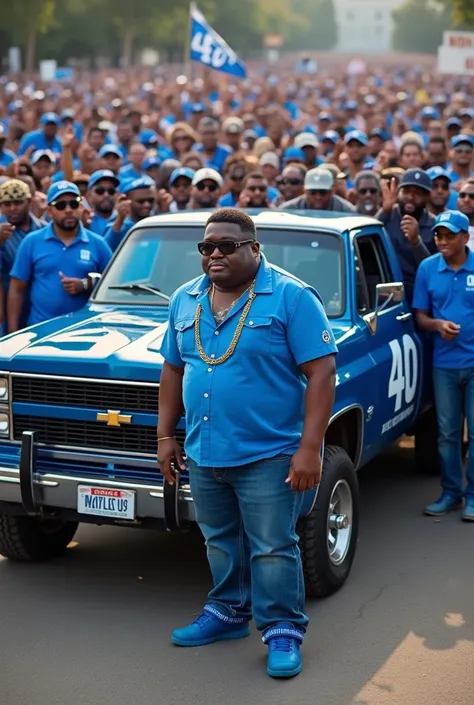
column 113, row 238
column 40, row 258
column 219, row 157
column 99, row 224
column 448, row 294
column 7, row 157
column 37, row 140
column 129, row 173
column 264, row 369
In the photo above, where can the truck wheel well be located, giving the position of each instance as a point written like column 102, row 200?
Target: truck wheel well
column 346, row 432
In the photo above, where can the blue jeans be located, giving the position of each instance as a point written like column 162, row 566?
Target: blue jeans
column 248, row 517
column 454, row 397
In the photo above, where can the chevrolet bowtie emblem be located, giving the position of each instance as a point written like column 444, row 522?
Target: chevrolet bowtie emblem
column 114, row 418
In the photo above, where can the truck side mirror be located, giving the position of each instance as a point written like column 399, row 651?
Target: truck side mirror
column 385, row 294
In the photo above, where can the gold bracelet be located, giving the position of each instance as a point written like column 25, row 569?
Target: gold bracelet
column 166, row 438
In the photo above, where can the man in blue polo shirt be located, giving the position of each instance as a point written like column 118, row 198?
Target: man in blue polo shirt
column 462, row 158
column 45, row 138
column 444, row 303
column 237, row 344
column 101, row 197
column 441, row 197
column 55, row 261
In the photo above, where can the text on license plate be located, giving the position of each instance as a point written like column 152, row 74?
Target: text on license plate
column 105, row 502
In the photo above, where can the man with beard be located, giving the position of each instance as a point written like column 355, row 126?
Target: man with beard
column 409, row 224
column 356, row 149
column 137, row 201
column 462, row 150
column 55, row 261
column 206, row 189
column 466, row 205
column 441, row 196
column 16, row 222
column 255, row 192
column 101, row 196
column 368, row 193
column 437, row 152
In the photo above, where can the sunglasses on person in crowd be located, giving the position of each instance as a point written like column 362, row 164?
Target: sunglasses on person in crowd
column 181, row 138
column 100, row 190
column 463, row 148
column 449, row 236
column 467, row 195
column 225, row 247
column 237, row 177
column 142, row 201
column 365, row 191
column 318, row 192
column 209, row 187
column 62, row 205
column 289, row 182
column 253, row 189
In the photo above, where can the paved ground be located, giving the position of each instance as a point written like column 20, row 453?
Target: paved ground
column 93, row 628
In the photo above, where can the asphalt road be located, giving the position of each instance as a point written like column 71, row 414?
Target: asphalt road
column 94, row 627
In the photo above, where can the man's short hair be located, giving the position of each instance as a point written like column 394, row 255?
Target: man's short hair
column 236, row 216
column 367, row 175
column 410, row 143
column 437, row 140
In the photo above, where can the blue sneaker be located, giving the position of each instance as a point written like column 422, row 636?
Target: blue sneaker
column 446, row 503
column 468, row 513
column 284, row 658
column 206, row 629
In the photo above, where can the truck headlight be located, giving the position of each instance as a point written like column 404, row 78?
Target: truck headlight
column 3, row 390
column 4, row 425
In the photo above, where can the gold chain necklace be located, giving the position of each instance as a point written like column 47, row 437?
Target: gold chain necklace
column 235, row 338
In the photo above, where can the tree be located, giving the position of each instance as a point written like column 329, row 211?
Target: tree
column 419, row 26
column 320, row 26
column 26, row 19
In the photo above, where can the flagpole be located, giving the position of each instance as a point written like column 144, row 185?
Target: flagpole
column 187, row 45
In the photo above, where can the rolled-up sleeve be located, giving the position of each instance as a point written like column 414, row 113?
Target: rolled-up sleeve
column 309, row 333
column 169, row 347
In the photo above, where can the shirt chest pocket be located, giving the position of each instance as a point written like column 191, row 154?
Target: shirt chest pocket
column 256, row 336
column 185, row 335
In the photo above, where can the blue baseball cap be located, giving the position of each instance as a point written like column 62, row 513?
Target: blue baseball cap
column 50, row 118
column 40, row 154
column 184, row 171
column 59, row 189
column 148, row 136
column 325, row 116
column 429, row 112
column 198, row 108
column 330, row 136
column 15, row 105
column 293, row 154
column 453, row 122
column 437, row 172
column 100, row 175
column 455, row 221
column 379, row 132
column 356, row 136
column 417, row 177
column 67, row 114
column 150, row 162
column 134, row 184
column 351, row 105
column 3, row 131
column 467, row 112
column 462, row 139
column 110, row 149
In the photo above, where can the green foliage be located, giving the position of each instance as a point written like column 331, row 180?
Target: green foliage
column 419, row 26
column 320, row 28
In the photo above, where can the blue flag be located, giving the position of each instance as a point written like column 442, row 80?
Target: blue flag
column 210, row 49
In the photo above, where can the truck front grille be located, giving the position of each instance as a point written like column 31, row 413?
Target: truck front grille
column 86, row 393
column 132, row 439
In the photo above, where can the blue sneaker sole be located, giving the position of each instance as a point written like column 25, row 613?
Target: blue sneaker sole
column 225, row 636
column 442, row 514
column 285, row 674
column 468, row 518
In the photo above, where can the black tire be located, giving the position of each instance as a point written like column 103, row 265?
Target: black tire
column 322, row 575
column 30, row 539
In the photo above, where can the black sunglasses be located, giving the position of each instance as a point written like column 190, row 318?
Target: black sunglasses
column 467, row 195
column 209, row 187
column 252, row 189
column 100, row 190
column 289, row 182
column 225, row 247
column 237, row 177
column 318, row 192
column 364, row 191
column 62, row 205
column 142, row 201
column 463, row 149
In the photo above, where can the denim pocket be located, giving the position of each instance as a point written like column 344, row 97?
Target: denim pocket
column 185, row 334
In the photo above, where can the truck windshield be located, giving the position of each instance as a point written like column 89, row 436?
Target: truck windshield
column 160, row 259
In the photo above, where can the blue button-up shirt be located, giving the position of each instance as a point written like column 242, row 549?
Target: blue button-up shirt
column 251, row 406
column 40, row 258
column 449, row 295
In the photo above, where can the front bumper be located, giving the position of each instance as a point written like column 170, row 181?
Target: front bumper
column 49, row 490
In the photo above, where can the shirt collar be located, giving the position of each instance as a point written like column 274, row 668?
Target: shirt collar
column 468, row 265
column 263, row 282
column 81, row 235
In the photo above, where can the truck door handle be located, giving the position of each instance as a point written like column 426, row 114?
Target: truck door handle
column 404, row 317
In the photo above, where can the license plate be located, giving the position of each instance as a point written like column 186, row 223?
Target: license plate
column 105, row 502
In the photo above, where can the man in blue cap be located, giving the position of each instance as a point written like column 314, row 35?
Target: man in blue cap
column 101, row 196
column 357, row 150
column 110, row 158
column 6, row 155
column 46, row 138
column 151, row 167
column 137, row 201
column 180, row 184
column 441, row 197
column 408, row 222
column 444, row 303
column 134, row 167
column 55, row 261
column 328, row 142
column 462, row 164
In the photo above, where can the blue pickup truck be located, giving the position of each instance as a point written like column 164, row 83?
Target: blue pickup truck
column 79, row 393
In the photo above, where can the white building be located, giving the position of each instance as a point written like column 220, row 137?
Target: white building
column 365, row 25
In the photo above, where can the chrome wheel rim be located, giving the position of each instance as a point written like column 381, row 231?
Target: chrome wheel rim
column 339, row 522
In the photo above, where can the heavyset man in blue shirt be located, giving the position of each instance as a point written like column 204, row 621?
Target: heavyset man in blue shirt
column 444, row 299
column 250, row 353
column 55, row 261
